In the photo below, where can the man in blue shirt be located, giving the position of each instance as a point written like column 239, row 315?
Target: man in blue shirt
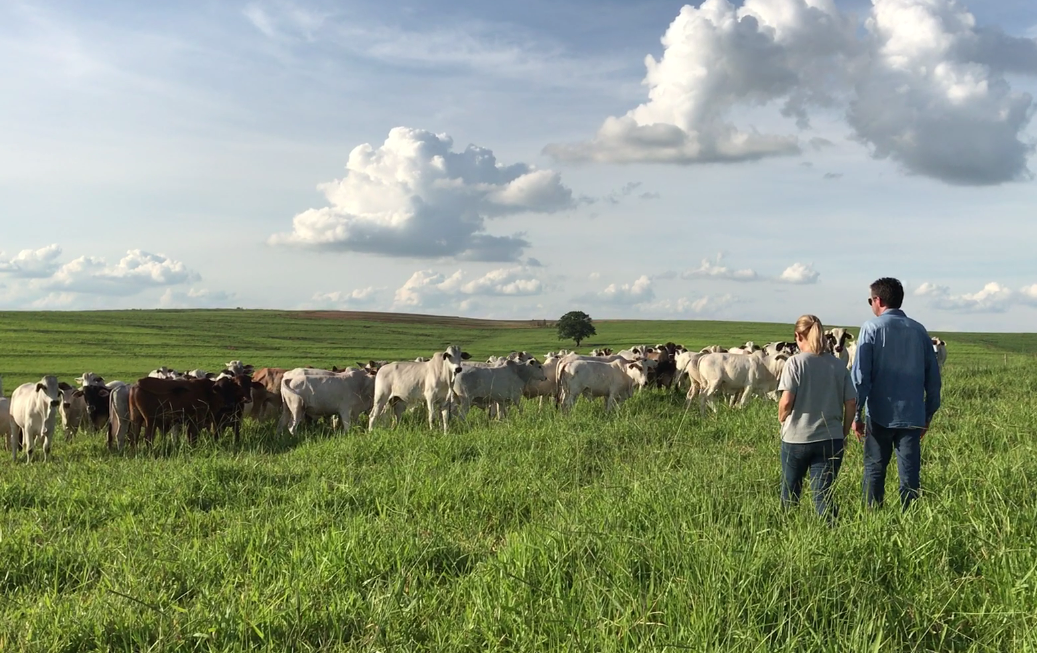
column 897, row 378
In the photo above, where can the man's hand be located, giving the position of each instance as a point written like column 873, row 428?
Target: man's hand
column 858, row 430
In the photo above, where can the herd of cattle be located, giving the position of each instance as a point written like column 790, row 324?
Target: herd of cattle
column 447, row 383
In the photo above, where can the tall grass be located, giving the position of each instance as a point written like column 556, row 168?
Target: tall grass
column 649, row 529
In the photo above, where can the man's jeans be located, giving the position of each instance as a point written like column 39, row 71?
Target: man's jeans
column 822, row 460
column 879, row 445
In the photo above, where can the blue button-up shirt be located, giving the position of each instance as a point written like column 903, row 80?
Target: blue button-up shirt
column 895, row 372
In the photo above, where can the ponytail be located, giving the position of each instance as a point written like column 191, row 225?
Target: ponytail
column 809, row 327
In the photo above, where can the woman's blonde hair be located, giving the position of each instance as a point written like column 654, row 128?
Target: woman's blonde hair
column 809, row 327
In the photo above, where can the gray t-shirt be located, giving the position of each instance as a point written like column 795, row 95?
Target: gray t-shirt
column 822, row 385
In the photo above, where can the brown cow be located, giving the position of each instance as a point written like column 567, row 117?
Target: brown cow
column 164, row 403
column 233, row 393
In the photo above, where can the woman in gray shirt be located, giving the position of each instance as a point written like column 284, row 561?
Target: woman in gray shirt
column 816, row 410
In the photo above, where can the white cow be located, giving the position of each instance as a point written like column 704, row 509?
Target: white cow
column 940, row 347
column 851, row 353
column 746, row 374
column 713, row 349
column 163, row 373
column 616, row 380
column 687, row 363
column 319, row 393
column 34, row 410
column 549, row 386
column 496, row 386
column 237, row 368
column 403, row 382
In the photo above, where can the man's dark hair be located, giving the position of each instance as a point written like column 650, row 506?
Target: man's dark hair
column 890, row 291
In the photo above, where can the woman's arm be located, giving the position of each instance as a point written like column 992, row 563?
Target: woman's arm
column 788, row 400
column 849, row 413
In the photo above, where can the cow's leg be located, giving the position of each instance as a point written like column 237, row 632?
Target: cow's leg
column 745, row 396
column 707, row 395
column 375, row 410
column 15, row 439
column 430, row 404
column 343, row 420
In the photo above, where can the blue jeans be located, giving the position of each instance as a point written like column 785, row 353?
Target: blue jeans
column 879, row 445
column 822, row 460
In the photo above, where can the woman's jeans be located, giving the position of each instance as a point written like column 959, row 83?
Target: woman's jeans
column 822, row 460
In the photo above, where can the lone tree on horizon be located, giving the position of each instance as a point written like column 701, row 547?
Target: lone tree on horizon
column 575, row 325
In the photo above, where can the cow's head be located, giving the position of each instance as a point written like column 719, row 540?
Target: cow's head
column 96, row 399
column 638, row 372
column 836, row 339
column 68, row 393
column 453, row 357
column 52, row 390
column 89, row 378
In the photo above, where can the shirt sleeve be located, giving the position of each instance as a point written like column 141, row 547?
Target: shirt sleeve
column 933, row 382
column 862, row 366
column 789, row 377
column 849, row 392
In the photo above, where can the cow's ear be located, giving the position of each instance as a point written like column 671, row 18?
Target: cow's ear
column 40, row 387
column 77, row 393
column 64, row 386
column 465, row 355
column 104, row 393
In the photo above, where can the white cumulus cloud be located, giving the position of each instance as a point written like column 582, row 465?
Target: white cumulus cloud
column 920, row 82
column 628, row 294
column 32, row 263
column 134, row 272
column 413, row 196
column 428, row 288
column 358, row 297
column 715, row 270
column 798, row 273
column 992, row 298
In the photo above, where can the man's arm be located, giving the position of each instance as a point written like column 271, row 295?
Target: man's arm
column 862, row 368
column 933, row 382
column 788, row 400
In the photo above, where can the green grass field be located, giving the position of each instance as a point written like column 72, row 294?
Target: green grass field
column 649, row 529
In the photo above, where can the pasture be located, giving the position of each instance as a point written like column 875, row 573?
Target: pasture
column 649, row 529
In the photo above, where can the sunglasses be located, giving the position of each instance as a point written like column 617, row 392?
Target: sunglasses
column 871, row 299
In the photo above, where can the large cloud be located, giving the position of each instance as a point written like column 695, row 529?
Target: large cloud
column 992, row 298
column 933, row 95
column 414, row 196
column 921, row 83
column 32, row 263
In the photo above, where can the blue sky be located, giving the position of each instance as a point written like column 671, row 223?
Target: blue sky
column 777, row 157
